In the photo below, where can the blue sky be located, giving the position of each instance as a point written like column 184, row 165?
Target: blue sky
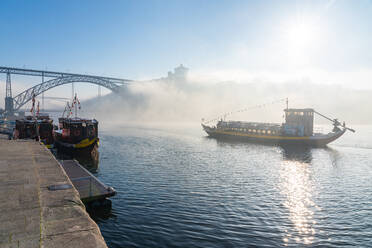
column 322, row 41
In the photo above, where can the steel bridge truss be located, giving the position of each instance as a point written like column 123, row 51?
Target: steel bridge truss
column 58, row 78
column 22, row 98
column 53, row 74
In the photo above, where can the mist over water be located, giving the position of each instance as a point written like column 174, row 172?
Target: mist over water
column 178, row 188
column 167, row 101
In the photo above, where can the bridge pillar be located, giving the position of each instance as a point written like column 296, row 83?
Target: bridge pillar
column 9, row 106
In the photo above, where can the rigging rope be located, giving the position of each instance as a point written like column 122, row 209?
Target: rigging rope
column 242, row 110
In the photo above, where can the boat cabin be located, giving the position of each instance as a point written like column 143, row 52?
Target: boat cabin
column 76, row 129
column 299, row 122
column 30, row 127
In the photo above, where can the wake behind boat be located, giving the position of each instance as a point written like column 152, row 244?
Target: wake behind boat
column 298, row 129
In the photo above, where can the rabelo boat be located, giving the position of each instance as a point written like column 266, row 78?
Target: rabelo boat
column 298, row 129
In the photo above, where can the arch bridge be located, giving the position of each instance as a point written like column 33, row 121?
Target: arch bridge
column 55, row 79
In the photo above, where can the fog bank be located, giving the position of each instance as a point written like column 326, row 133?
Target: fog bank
column 180, row 101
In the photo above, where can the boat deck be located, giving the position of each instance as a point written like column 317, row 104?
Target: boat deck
column 88, row 186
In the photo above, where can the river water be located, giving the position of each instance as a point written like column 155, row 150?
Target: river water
column 178, row 188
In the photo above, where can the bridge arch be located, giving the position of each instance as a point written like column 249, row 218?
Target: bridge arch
column 22, row 98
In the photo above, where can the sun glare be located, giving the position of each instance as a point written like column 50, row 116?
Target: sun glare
column 301, row 38
column 301, row 35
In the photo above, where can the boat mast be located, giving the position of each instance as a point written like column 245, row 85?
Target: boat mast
column 286, row 100
column 75, row 105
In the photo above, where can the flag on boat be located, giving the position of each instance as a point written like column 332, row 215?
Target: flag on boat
column 76, row 101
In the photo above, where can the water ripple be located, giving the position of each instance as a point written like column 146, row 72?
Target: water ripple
column 179, row 189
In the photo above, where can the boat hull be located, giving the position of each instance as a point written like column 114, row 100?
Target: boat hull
column 313, row 141
column 73, row 149
column 87, row 154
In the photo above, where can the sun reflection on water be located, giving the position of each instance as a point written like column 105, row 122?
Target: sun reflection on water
column 296, row 186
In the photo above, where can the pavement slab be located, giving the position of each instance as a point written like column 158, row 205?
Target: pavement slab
column 31, row 215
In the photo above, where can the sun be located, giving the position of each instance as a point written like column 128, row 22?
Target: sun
column 302, row 39
column 301, row 35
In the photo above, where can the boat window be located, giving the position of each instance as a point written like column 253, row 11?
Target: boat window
column 268, row 131
column 263, row 131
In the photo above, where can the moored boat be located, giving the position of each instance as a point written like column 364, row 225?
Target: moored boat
column 38, row 127
column 298, row 129
column 77, row 137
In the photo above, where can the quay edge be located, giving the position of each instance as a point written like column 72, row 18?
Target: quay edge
column 32, row 215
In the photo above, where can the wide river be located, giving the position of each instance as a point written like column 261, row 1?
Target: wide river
column 178, row 188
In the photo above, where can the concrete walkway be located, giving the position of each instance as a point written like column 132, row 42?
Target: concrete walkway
column 31, row 215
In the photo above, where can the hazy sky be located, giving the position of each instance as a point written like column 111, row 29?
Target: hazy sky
column 320, row 41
